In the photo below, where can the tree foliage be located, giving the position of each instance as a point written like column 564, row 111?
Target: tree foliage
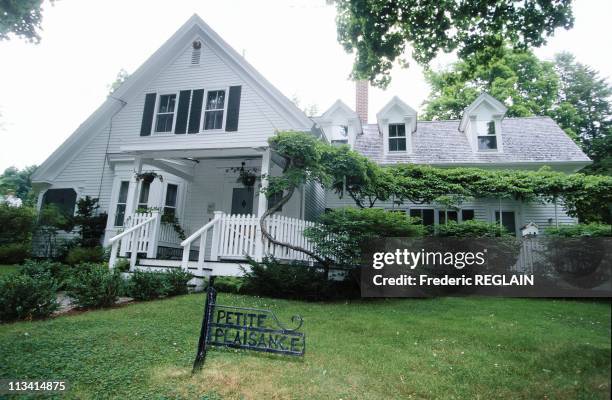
column 379, row 31
column 22, row 18
column 18, row 182
column 584, row 109
column 516, row 77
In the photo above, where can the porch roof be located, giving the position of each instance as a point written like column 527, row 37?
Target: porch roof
column 132, row 151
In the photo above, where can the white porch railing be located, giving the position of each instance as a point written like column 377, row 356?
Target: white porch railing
column 168, row 235
column 140, row 236
column 238, row 236
column 225, row 236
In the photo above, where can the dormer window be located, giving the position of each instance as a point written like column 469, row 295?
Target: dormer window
column 165, row 113
column 397, row 137
column 487, row 138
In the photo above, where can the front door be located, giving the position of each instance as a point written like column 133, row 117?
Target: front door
column 242, row 200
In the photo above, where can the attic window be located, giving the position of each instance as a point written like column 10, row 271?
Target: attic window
column 397, row 137
column 196, row 52
column 487, row 138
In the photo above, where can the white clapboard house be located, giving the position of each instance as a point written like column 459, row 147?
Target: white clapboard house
column 198, row 114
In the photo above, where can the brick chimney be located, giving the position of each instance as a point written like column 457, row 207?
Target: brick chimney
column 361, row 100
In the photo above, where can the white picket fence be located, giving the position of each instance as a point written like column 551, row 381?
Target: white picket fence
column 239, row 236
column 168, row 235
column 288, row 230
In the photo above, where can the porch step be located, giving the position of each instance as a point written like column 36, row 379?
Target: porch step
column 217, row 268
column 154, row 262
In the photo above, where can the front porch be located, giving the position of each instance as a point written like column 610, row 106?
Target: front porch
column 198, row 214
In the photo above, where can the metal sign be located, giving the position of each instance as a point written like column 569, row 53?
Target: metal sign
column 246, row 328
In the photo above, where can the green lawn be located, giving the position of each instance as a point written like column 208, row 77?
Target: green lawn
column 461, row 348
column 8, row 269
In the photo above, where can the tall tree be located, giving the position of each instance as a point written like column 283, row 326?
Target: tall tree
column 22, row 18
column 516, row 77
column 380, row 30
column 584, row 109
column 17, row 181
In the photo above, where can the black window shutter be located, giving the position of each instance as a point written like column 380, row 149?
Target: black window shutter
column 147, row 114
column 196, row 111
column 183, row 110
column 233, row 109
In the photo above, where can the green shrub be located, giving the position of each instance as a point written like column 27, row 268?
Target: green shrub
column 270, row 278
column 148, row 285
column 48, row 268
column 16, row 227
column 176, row 280
column 473, row 228
column 580, row 230
column 341, row 232
column 25, row 297
column 16, row 224
column 79, row 255
column 122, row 265
column 14, row 253
column 94, row 285
column 229, row 284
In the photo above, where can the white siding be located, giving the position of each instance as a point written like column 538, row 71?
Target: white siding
column 257, row 121
column 542, row 214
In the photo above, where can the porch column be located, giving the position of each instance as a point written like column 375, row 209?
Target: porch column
column 262, row 204
column 132, row 197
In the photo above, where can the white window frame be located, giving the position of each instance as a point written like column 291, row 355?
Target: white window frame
column 203, row 116
column 178, row 194
column 114, row 216
column 479, row 135
column 389, row 137
column 174, row 113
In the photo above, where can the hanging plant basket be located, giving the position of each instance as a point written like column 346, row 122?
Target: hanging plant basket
column 246, row 176
column 148, row 177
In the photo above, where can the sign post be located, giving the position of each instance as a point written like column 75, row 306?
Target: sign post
column 246, row 328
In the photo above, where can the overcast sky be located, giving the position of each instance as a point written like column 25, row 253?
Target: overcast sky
column 47, row 90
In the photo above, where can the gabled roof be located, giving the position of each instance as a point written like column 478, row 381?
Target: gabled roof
column 398, row 103
column 484, row 97
column 338, row 105
column 526, row 141
column 138, row 81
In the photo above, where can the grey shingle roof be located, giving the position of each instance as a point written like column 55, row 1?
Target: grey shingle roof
column 525, row 140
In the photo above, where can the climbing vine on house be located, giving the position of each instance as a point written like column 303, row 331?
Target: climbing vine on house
column 348, row 173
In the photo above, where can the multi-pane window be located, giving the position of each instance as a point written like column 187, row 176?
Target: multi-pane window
column 397, row 137
column 487, row 139
column 143, row 198
column 467, row 215
column 215, row 105
column 426, row 215
column 508, row 221
column 170, row 203
column 121, row 203
column 165, row 113
column 447, row 215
